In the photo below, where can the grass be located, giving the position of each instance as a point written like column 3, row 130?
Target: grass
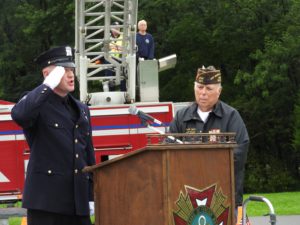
column 18, row 221
column 15, row 221
column 285, row 203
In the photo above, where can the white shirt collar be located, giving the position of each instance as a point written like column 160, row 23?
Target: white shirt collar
column 203, row 115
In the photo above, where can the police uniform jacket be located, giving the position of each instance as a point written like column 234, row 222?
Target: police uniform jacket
column 223, row 118
column 59, row 149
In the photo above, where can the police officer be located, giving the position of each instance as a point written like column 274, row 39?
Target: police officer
column 209, row 114
column 58, row 131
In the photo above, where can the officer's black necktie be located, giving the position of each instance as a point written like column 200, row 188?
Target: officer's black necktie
column 71, row 108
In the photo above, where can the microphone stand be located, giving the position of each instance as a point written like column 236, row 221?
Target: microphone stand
column 145, row 123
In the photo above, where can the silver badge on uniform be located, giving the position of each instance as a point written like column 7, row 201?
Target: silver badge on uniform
column 84, row 113
column 68, row 51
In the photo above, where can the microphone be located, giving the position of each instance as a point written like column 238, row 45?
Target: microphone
column 133, row 110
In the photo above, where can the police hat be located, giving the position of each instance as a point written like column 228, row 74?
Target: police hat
column 59, row 56
column 208, row 75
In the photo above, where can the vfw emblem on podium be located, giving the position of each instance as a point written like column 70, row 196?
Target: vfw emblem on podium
column 201, row 207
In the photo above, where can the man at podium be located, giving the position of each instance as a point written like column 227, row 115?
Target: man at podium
column 208, row 114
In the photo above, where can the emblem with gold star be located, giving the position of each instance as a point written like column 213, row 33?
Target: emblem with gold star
column 201, row 207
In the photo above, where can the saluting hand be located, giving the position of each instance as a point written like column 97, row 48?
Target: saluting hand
column 54, row 77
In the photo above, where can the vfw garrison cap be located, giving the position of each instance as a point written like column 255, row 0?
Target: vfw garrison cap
column 59, row 56
column 208, row 75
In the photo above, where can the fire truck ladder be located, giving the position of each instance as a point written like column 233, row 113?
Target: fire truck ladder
column 94, row 20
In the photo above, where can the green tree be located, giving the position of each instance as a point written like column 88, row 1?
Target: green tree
column 296, row 139
column 28, row 28
column 270, row 92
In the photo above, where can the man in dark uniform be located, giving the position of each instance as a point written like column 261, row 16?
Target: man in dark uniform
column 209, row 114
column 57, row 128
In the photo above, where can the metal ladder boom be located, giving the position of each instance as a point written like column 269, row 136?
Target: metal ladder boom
column 94, row 20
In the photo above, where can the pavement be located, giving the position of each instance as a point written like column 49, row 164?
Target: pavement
column 280, row 220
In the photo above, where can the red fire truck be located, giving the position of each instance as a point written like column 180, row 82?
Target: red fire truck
column 116, row 130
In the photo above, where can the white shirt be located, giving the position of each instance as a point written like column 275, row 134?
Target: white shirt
column 203, row 115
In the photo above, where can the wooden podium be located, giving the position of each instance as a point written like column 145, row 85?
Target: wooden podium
column 165, row 184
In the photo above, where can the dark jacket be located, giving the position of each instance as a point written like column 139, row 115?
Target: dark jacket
column 225, row 119
column 145, row 44
column 59, row 149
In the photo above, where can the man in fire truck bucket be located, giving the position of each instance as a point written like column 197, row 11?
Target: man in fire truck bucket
column 209, row 114
column 58, row 131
